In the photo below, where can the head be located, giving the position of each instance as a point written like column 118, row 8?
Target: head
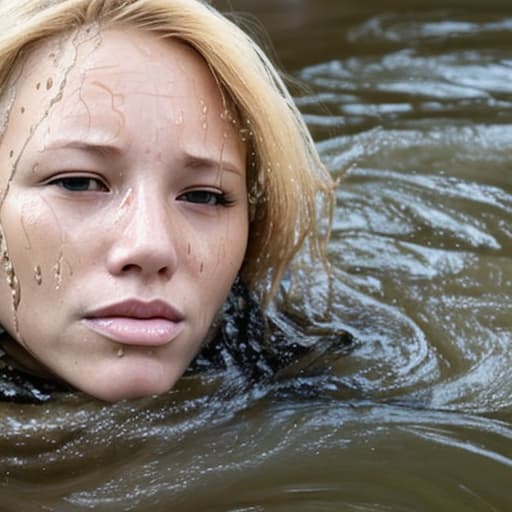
column 150, row 154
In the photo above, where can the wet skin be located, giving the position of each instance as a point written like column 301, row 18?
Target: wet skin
column 128, row 191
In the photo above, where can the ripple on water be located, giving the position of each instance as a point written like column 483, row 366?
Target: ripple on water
column 300, row 440
column 421, row 27
column 422, row 65
column 421, row 248
column 424, row 216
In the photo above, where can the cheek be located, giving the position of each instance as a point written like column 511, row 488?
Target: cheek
column 35, row 244
column 219, row 254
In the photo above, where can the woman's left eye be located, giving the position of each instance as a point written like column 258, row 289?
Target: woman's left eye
column 79, row 184
column 207, row 197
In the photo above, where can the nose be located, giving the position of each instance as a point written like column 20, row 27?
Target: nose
column 144, row 242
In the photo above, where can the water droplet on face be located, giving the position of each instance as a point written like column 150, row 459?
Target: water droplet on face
column 120, row 352
column 204, row 111
column 10, row 275
column 127, row 199
column 38, row 275
column 11, row 153
column 179, row 119
column 49, row 83
column 244, row 134
column 201, row 268
column 57, row 272
column 38, row 85
column 125, row 203
column 22, row 110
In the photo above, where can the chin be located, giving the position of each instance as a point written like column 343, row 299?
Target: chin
column 130, row 383
column 127, row 391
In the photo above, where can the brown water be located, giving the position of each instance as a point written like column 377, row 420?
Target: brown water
column 412, row 102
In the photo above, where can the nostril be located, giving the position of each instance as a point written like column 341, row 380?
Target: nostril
column 164, row 271
column 143, row 257
column 130, row 268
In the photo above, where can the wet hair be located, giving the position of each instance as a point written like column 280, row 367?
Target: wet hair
column 289, row 189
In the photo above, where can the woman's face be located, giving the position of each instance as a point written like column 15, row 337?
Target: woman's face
column 125, row 214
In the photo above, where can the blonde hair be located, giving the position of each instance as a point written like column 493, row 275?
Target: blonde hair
column 286, row 179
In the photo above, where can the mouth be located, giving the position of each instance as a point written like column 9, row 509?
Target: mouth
column 135, row 322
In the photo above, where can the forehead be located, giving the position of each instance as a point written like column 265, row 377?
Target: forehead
column 97, row 77
column 115, row 54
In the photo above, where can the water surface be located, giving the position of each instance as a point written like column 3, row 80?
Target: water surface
column 411, row 106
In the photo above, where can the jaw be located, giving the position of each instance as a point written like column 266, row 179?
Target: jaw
column 22, row 359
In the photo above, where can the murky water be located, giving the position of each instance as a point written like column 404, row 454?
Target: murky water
column 412, row 104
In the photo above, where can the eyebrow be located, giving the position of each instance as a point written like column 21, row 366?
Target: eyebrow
column 112, row 150
column 196, row 162
column 91, row 147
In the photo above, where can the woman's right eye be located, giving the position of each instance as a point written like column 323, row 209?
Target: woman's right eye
column 79, row 184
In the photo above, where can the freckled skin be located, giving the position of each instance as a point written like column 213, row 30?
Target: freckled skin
column 140, row 231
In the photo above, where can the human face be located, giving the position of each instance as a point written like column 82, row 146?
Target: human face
column 125, row 215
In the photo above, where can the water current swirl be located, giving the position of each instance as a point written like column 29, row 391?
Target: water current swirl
column 412, row 112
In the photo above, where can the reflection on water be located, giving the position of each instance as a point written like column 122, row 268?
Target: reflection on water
column 412, row 105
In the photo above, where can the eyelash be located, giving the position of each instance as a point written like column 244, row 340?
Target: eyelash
column 220, row 198
column 67, row 183
column 203, row 197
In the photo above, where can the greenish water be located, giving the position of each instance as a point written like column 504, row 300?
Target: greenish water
column 411, row 102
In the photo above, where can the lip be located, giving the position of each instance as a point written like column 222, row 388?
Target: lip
column 135, row 322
